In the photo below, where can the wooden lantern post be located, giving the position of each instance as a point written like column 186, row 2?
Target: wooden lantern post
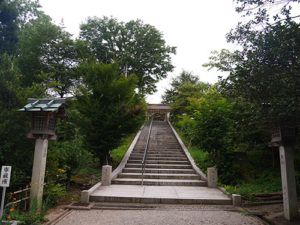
column 45, row 113
column 285, row 137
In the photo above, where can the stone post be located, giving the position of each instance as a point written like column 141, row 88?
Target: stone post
column 236, row 200
column 106, row 175
column 288, row 182
column 212, row 176
column 38, row 172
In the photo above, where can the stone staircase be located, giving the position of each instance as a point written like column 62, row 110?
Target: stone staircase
column 166, row 164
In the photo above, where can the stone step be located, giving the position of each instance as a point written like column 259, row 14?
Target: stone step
column 160, row 162
column 158, row 147
column 160, row 176
column 158, row 200
column 162, row 166
column 180, row 158
column 163, row 171
column 158, row 152
column 159, row 182
column 158, row 155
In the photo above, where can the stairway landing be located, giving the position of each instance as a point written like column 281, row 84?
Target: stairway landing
column 160, row 194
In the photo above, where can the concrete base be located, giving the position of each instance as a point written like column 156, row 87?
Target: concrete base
column 160, row 194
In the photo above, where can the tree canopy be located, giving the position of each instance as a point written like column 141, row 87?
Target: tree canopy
column 137, row 47
column 109, row 109
column 266, row 70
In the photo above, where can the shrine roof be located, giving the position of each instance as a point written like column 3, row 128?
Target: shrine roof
column 43, row 105
column 159, row 106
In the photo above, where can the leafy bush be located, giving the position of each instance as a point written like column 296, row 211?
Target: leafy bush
column 27, row 218
column 117, row 154
column 52, row 193
column 267, row 182
column 211, row 128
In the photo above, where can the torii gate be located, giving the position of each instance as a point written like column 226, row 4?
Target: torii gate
column 158, row 111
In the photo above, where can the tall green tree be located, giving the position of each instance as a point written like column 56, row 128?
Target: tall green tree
column 183, row 87
column 33, row 37
column 8, row 27
column 266, row 71
column 59, row 60
column 15, row 147
column 138, row 48
column 109, row 109
column 48, row 55
column 14, row 14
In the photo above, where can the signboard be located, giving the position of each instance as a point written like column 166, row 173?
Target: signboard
column 5, row 176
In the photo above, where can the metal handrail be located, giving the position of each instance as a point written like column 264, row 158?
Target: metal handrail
column 145, row 152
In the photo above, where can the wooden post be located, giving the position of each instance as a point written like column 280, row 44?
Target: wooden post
column 288, row 182
column 38, row 173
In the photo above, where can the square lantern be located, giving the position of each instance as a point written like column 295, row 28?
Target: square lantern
column 283, row 135
column 44, row 114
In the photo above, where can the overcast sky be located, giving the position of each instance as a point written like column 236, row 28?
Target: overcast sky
column 195, row 27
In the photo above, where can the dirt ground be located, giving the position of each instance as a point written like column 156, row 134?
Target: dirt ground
column 273, row 214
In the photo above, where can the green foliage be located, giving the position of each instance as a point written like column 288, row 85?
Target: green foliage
column 69, row 156
column 139, row 48
column 265, row 72
column 52, row 193
column 214, row 124
column 183, row 87
column 27, row 218
column 211, row 128
column 267, row 182
column 13, row 16
column 201, row 158
column 8, row 27
column 118, row 153
column 109, row 109
column 15, row 147
column 58, row 57
column 34, row 35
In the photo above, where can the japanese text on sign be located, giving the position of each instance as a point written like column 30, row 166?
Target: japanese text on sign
column 5, row 176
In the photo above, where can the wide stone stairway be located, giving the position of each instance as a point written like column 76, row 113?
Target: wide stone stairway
column 166, row 163
column 169, row 176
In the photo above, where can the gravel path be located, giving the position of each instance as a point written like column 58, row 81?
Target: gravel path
column 158, row 217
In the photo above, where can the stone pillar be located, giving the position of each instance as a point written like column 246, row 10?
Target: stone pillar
column 106, row 175
column 288, row 182
column 212, row 176
column 85, row 198
column 38, row 173
column 236, row 200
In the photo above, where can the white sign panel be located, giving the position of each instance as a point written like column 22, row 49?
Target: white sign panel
column 5, row 176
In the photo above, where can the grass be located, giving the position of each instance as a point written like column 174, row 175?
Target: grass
column 117, row 154
column 267, row 182
column 200, row 157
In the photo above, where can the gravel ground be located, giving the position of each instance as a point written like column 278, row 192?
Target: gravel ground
column 158, row 217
